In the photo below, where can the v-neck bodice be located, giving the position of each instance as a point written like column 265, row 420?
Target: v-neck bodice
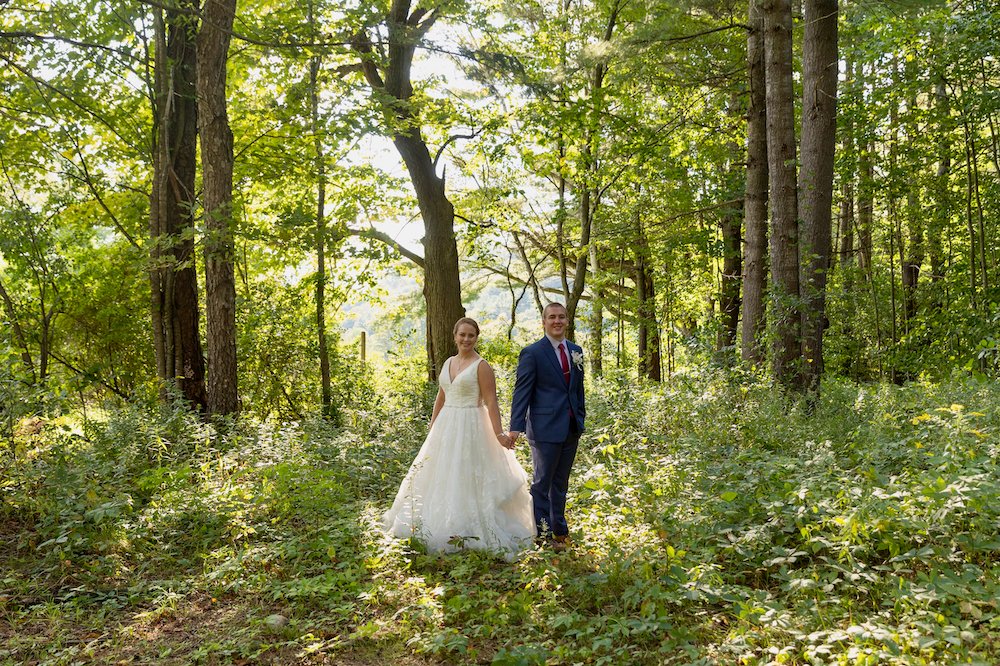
column 463, row 391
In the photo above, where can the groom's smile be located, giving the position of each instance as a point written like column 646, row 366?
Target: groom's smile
column 555, row 321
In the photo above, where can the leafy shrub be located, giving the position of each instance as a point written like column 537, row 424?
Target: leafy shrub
column 717, row 520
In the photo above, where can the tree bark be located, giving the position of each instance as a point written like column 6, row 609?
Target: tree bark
column 819, row 133
column 217, row 181
column 173, row 275
column 783, row 192
column 755, row 206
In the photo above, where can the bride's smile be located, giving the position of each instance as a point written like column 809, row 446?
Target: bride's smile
column 465, row 339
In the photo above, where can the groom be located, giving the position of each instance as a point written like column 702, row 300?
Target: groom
column 548, row 406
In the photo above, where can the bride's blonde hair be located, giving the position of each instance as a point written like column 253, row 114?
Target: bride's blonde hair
column 465, row 320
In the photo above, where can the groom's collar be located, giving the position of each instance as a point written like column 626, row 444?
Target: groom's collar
column 555, row 343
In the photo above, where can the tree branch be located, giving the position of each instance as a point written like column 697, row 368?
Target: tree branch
column 86, row 178
column 484, row 225
column 89, row 375
column 390, row 241
column 363, row 45
column 526, row 282
column 424, row 28
column 448, row 141
column 694, row 35
column 34, row 36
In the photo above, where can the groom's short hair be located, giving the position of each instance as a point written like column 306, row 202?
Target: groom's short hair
column 550, row 305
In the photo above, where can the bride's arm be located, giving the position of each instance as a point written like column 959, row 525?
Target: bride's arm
column 438, row 404
column 488, row 392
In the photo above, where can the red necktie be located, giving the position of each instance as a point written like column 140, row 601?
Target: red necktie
column 564, row 361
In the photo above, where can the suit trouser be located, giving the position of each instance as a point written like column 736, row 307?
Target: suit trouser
column 552, row 462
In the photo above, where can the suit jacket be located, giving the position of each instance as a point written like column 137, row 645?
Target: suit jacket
column 542, row 399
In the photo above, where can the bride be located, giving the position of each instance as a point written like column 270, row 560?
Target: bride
column 465, row 489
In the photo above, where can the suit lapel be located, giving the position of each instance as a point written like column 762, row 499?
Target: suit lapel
column 553, row 356
column 550, row 353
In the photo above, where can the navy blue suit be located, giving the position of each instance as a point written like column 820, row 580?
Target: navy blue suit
column 551, row 413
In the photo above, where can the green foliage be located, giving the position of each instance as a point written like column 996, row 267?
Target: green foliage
column 920, row 131
column 716, row 519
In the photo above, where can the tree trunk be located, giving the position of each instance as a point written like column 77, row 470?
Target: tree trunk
column 44, row 342
column 173, row 276
column 326, row 392
column 587, row 185
column 580, row 274
column 846, row 249
column 978, row 232
column 896, row 248
column 942, row 197
column 783, row 191
column 562, row 210
column 649, row 330
column 217, row 181
column 973, row 237
column 731, row 227
column 442, row 282
column 755, row 204
column 914, row 256
column 729, row 293
column 866, row 207
column 561, row 215
column 819, row 133
column 668, row 315
column 596, row 343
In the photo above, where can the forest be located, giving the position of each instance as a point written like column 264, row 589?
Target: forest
column 236, row 236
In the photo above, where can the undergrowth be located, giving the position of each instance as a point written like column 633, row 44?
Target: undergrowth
column 716, row 520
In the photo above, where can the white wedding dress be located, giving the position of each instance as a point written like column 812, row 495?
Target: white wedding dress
column 463, row 490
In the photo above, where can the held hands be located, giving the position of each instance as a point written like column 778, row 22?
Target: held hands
column 506, row 440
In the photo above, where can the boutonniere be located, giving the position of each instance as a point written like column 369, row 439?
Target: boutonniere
column 577, row 359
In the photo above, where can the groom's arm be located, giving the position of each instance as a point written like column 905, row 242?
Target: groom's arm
column 524, row 386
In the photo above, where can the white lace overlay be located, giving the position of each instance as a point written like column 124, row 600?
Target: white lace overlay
column 463, row 490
